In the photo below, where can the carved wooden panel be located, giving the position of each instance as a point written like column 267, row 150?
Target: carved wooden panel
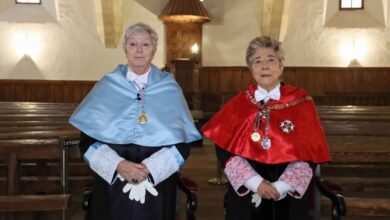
column 179, row 39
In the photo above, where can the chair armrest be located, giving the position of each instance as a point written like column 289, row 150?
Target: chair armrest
column 185, row 185
column 333, row 192
column 86, row 203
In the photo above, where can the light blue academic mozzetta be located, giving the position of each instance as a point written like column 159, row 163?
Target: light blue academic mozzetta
column 109, row 113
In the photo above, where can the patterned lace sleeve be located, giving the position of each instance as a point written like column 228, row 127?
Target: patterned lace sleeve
column 298, row 175
column 238, row 171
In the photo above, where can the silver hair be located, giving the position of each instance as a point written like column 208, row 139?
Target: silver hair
column 140, row 27
column 264, row 42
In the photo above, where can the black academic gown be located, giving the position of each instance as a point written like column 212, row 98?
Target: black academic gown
column 241, row 207
column 110, row 203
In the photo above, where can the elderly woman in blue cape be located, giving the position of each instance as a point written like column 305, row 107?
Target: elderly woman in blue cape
column 135, row 127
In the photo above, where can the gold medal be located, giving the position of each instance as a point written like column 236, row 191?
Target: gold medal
column 255, row 136
column 143, row 118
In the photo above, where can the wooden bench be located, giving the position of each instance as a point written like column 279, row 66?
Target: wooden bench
column 30, row 203
column 37, row 105
column 31, row 132
column 361, row 167
column 15, row 150
column 354, row 98
column 359, row 141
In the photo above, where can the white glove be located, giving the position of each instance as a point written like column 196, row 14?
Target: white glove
column 138, row 191
column 256, row 199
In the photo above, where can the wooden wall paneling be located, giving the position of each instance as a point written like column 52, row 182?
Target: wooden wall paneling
column 6, row 90
column 215, row 79
column 247, row 78
column 226, row 78
column 337, row 78
column 339, row 85
column 40, row 90
column 237, row 80
column 59, row 93
column 354, row 83
column 321, row 80
column 44, row 90
column 204, row 79
column 20, row 92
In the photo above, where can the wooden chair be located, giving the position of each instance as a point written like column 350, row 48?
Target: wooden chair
column 331, row 191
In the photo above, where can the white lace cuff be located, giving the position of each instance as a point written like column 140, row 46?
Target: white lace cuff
column 297, row 175
column 103, row 160
column 239, row 171
column 164, row 163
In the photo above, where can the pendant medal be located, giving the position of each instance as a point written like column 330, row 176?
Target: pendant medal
column 143, row 118
column 266, row 143
column 255, row 136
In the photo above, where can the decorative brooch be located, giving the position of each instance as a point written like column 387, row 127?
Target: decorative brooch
column 287, row 126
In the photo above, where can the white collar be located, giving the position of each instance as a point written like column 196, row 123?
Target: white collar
column 262, row 94
column 139, row 80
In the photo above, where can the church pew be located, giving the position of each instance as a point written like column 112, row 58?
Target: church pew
column 344, row 117
column 37, row 105
column 13, row 128
column 15, row 150
column 354, row 113
column 361, row 167
column 34, row 117
column 23, row 137
column 353, row 109
column 356, row 128
column 29, row 123
column 36, row 167
column 355, row 98
column 28, row 203
column 38, row 134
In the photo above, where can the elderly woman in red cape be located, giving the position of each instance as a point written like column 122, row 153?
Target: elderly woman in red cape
column 267, row 138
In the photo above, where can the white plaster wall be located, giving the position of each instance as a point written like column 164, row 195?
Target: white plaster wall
column 70, row 49
column 309, row 43
column 226, row 38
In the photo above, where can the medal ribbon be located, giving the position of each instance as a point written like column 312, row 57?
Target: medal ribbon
column 141, row 94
